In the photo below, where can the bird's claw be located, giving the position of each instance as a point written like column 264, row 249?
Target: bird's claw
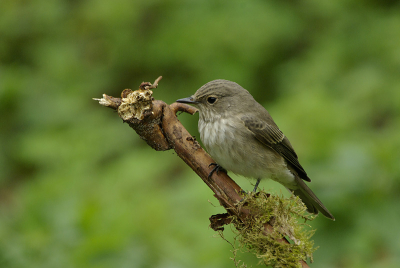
column 217, row 168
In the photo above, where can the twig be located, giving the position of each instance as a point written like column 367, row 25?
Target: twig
column 148, row 85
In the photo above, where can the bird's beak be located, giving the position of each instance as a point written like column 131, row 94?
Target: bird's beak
column 187, row 100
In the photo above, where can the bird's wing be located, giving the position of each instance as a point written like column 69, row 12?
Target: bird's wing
column 271, row 136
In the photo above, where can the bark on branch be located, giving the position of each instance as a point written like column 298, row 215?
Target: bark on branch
column 156, row 123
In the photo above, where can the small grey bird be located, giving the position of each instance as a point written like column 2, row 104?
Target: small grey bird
column 242, row 137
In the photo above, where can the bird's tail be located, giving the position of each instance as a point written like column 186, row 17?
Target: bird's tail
column 311, row 201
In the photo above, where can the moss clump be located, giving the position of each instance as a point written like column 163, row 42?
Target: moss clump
column 288, row 217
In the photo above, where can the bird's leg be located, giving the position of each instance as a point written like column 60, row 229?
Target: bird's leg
column 217, row 168
column 256, row 186
column 254, row 190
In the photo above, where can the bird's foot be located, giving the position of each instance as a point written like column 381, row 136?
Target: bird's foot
column 254, row 193
column 242, row 192
column 246, row 196
column 217, row 169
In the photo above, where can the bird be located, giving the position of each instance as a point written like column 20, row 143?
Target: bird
column 241, row 136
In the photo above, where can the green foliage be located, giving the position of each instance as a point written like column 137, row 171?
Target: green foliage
column 327, row 71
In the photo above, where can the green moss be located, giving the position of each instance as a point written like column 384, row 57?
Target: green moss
column 288, row 217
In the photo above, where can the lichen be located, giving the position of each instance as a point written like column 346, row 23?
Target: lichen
column 135, row 104
column 288, row 218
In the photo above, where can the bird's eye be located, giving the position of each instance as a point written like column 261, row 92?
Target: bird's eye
column 211, row 100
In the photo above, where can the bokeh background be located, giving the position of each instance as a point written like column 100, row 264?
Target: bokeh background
column 79, row 189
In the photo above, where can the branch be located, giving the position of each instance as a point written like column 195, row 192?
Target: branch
column 156, row 123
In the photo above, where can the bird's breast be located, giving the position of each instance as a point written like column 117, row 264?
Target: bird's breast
column 234, row 148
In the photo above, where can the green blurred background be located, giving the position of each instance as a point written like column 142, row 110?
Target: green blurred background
column 79, row 189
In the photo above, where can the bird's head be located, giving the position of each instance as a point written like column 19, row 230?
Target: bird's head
column 219, row 97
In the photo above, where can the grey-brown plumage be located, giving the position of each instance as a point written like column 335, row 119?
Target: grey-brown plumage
column 242, row 137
